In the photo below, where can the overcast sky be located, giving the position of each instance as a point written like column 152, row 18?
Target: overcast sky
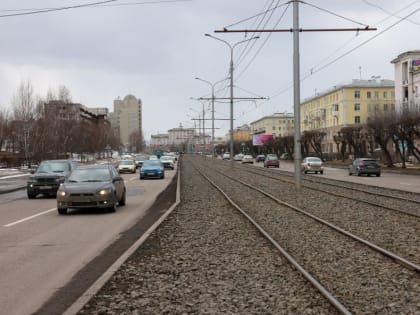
column 154, row 50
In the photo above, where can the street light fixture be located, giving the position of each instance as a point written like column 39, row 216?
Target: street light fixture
column 212, row 109
column 231, row 47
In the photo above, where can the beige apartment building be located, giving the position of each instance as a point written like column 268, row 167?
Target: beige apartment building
column 407, row 80
column 127, row 118
column 278, row 125
column 346, row 105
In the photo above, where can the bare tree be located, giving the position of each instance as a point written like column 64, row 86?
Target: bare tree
column 61, row 94
column 24, row 114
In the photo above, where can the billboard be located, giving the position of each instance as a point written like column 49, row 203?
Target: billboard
column 261, row 139
column 415, row 65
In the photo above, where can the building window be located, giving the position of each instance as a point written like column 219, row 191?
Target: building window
column 274, row 128
column 385, row 107
column 356, row 94
column 335, row 107
column 385, row 94
column 356, row 107
column 357, row 119
column 368, row 94
column 393, row 107
column 376, row 95
column 376, row 108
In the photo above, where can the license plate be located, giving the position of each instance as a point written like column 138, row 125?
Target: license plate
column 152, row 173
column 45, row 187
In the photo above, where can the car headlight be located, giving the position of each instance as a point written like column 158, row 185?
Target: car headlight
column 61, row 193
column 104, row 192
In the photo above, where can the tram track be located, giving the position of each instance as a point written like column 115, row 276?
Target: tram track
column 396, row 232
column 368, row 262
column 412, row 204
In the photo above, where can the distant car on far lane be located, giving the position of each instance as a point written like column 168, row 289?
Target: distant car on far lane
column 238, row 157
column 260, row 158
column 366, row 166
column 271, row 161
column 247, row 159
column 226, row 156
column 312, row 164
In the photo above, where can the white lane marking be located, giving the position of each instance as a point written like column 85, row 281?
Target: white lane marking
column 408, row 184
column 12, row 176
column 29, row 218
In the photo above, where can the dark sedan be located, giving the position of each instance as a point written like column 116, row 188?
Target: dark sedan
column 152, row 169
column 92, row 186
column 365, row 166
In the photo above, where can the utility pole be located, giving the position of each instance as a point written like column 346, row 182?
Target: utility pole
column 296, row 75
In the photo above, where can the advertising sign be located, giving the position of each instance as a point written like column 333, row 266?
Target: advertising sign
column 415, row 65
column 261, row 139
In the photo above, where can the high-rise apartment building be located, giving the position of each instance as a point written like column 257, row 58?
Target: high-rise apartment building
column 127, row 118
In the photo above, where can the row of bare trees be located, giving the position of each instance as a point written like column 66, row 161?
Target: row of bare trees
column 27, row 133
column 393, row 135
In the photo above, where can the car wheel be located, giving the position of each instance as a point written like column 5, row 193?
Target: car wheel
column 141, row 177
column 378, row 175
column 321, row 172
column 316, row 172
column 62, row 210
column 350, row 174
column 359, row 174
column 122, row 200
column 31, row 195
column 163, row 176
column 305, row 172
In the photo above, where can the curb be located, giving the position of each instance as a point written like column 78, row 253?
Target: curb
column 6, row 191
column 100, row 282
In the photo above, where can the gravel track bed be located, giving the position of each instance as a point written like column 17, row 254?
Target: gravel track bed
column 394, row 231
column 363, row 280
column 205, row 258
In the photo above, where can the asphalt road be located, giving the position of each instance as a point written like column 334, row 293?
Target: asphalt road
column 391, row 180
column 41, row 251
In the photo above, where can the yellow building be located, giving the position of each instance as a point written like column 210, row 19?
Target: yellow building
column 242, row 134
column 278, row 125
column 346, row 105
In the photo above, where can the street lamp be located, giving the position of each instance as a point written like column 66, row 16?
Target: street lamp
column 212, row 108
column 231, row 47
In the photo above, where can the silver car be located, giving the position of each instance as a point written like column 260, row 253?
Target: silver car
column 92, row 186
column 312, row 164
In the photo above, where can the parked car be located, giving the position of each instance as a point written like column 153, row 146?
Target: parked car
column 127, row 166
column 366, row 166
column 260, row 158
column 226, row 156
column 247, row 159
column 152, row 169
column 312, row 164
column 92, row 186
column 271, row 161
column 48, row 176
column 238, row 157
column 168, row 162
column 153, row 157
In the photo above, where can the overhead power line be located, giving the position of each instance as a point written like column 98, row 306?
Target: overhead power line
column 106, row 3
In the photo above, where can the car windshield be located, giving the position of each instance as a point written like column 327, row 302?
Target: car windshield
column 272, row 157
column 56, row 167
column 313, row 160
column 90, row 175
column 127, row 162
column 166, row 158
column 151, row 163
column 140, row 158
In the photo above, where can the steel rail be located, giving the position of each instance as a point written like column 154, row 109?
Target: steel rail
column 340, row 307
column 349, row 197
column 402, row 261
